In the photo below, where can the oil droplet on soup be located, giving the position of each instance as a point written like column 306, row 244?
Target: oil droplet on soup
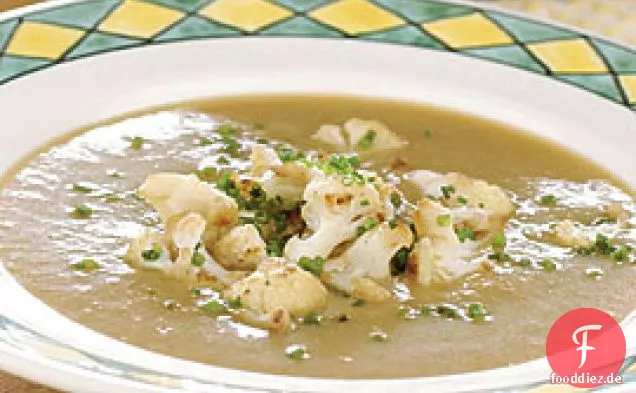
column 69, row 211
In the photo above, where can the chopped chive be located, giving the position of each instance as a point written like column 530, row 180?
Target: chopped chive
column 205, row 141
column 393, row 223
column 222, row 160
column 498, row 240
column 603, row 245
column 366, row 142
column 548, row 264
column 548, row 200
column 137, row 142
column 428, row 134
column 312, row 265
column 226, row 129
column 214, row 306
column 499, row 256
column 365, row 202
column 198, row 259
column 464, row 234
column 428, row 309
column 82, row 212
column 621, row 254
column 231, row 145
column 86, row 264
column 481, row 205
column 312, row 319
column 82, row 188
column 153, row 253
column 398, row 261
column 447, row 191
column 444, row 220
column 378, row 335
column 476, row 311
column 297, row 352
column 603, row 220
column 447, row 311
column 358, row 303
column 462, row 200
column 368, row 224
column 290, row 155
column 235, row 302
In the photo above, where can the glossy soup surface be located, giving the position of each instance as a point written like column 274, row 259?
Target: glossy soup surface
column 39, row 241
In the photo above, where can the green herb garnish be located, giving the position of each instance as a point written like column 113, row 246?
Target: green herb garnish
column 358, row 303
column 476, row 311
column 314, row 265
column 548, row 200
column 290, row 155
column 464, row 234
column 444, row 220
column 86, row 264
column 622, row 254
column 205, row 141
column 366, row 142
column 198, row 259
column 235, row 303
column 594, row 273
column 82, row 188
column 226, row 129
column 498, row 240
column 548, row 264
column 398, row 262
column 296, row 352
column 462, row 200
column 137, row 142
column 428, row 134
column 312, row 319
column 214, row 306
column 396, row 200
column 368, row 224
column 365, row 202
column 153, row 253
column 82, row 212
column 447, row 191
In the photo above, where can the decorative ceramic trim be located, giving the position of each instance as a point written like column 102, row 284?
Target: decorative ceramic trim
column 35, row 41
column 41, row 39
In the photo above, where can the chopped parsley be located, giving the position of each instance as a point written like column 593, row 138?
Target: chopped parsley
column 82, row 212
column 137, row 142
column 314, row 265
column 82, row 188
column 447, row 191
column 366, row 142
column 153, row 253
column 214, row 306
column 548, row 200
column 86, row 264
column 464, row 234
column 444, row 220
column 498, row 240
column 368, row 224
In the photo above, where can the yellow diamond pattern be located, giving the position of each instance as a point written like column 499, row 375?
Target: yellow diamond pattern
column 569, row 56
column 629, row 85
column 247, row 15
column 356, row 17
column 468, row 31
column 138, row 19
column 42, row 40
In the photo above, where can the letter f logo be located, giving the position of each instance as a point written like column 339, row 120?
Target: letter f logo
column 583, row 343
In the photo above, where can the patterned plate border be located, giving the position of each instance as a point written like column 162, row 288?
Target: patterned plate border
column 40, row 39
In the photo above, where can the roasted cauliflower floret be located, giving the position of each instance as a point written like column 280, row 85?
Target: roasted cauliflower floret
column 188, row 262
column 286, row 180
column 368, row 257
column 358, row 134
column 174, row 195
column 241, row 249
column 571, row 234
column 439, row 255
column 333, row 212
column 277, row 285
column 456, row 190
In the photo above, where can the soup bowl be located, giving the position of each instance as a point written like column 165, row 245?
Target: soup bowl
column 66, row 64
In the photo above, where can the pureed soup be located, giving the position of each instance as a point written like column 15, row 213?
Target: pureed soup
column 319, row 236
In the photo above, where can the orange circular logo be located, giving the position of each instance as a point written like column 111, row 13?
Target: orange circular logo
column 586, row 348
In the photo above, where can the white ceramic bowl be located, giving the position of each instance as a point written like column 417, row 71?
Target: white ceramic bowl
column 38, row 343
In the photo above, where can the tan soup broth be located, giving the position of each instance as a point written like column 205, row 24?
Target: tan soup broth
column 39, row 241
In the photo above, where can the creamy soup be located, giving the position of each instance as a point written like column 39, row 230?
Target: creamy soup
column 69, row 212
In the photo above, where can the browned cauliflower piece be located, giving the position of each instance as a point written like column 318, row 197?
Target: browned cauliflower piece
column 241, row 249
column 359, row 134
column 278, row 285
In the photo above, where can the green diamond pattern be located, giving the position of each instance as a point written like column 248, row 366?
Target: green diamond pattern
column 100, row 42
column 6, row 29
column 603, row 85
column 197, row 27
column 527, row 31
column 300, row 26
column 510, row 55
column 424, row 11
column 408, row 35
column 12, row 66
column 182, row 5
column 302, row 5
column 620, row 59
column 83, row 15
